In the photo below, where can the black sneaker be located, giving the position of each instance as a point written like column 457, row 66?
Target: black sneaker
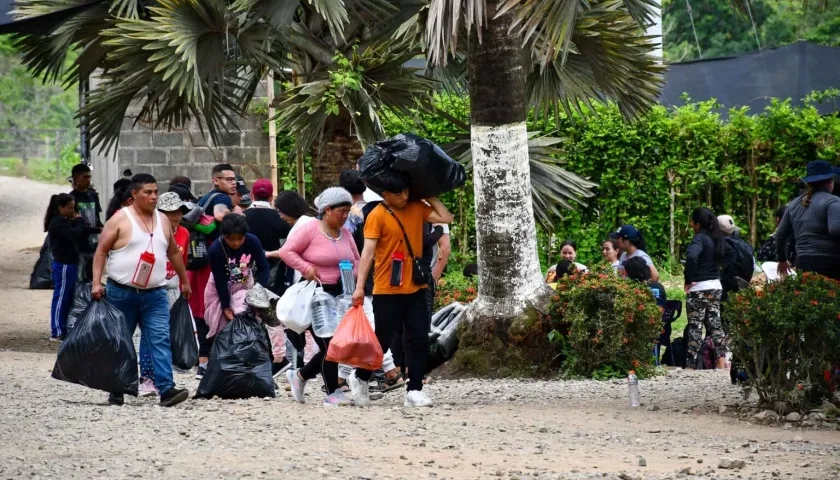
column 199, row 374
column 116, row 399
column 174, row 396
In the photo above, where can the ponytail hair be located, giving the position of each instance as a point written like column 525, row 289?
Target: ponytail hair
column 708, row 222
column 810, row 188
column 121, row 196
column 56, row 201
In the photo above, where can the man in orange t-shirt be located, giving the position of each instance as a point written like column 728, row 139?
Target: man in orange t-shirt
column 396, row 295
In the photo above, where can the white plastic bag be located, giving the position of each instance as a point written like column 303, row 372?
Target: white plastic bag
column 293, row 309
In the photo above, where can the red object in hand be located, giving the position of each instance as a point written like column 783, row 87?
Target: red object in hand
column 355, row 343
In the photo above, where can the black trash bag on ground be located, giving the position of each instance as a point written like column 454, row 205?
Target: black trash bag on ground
column 429, row 170
column 99, row 352
column 240, row 362
column 81, row 300
column 182, row 335
column 41, row 277
column 443, row 336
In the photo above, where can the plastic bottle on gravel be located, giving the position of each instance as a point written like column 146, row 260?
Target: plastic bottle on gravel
column 633, row 389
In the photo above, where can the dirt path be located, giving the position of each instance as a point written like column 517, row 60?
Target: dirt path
column 479, row 428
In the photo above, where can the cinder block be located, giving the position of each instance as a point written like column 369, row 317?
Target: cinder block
column 136, row 139
column 125, row 157
column 242, row 156
column 206, row 156
column 164, row 173
column 168, row 139
column 255, row 138
column 180, row 156
column 151, row 156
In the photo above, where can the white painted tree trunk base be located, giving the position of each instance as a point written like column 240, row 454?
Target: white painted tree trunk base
column 508, row 265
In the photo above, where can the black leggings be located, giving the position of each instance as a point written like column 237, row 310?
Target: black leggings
column 397, row 349
column 411, row 313
column 204, row 344
column 318, row 363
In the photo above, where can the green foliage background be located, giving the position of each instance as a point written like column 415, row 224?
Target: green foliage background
column 746, row 167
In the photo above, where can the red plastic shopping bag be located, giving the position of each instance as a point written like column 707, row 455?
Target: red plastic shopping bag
column 354, row 343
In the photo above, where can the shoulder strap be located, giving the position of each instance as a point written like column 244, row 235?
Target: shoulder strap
column 209, row 199
column 405, row 237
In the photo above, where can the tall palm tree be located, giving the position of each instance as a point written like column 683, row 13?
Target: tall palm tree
column 545, row 54
column 203, row 60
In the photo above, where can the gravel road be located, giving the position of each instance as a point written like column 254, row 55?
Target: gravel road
column 479, row 428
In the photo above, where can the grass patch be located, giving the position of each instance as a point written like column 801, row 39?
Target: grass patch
column 38, row 169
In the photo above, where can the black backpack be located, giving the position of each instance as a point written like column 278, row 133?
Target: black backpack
column 739, row 263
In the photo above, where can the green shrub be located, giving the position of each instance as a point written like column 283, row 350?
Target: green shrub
column 605, row 325
column 454, row 287
column 786, row 336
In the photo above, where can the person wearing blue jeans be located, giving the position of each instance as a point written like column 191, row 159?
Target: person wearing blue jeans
column 137, row 241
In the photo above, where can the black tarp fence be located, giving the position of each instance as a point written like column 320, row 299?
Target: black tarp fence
column 753, row 79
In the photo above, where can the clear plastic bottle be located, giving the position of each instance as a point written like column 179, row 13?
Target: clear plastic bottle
column 324, row 315
column 633, row 389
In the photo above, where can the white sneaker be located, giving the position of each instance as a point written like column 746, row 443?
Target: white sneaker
column 417, row 399
column 337, row 399
column 360, row 391
column 297, row 385
column 147, row 388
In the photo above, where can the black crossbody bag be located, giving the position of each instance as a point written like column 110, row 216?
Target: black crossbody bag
column 421, row 270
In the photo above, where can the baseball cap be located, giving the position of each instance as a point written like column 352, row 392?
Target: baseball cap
column 628, row 231
column 170, row 202
column 262, row 188
column 183, row 192
column 727, row 224
column 240, row 186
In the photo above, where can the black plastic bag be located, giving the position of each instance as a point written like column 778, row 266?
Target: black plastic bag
column 429, row 171
column 182, row 335
column 240, row 362
column 41, row 277
column 99, row 352
column 81, row 300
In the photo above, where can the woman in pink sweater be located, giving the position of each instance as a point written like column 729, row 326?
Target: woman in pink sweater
column 317, row 250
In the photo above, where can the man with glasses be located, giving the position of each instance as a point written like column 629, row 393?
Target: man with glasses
column 216, row 203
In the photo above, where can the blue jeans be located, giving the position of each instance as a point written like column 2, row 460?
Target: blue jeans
column 150, row 309
column 64, row 281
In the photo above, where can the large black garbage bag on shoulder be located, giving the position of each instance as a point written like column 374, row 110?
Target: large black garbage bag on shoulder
column 429, row 171
column 81, row 300
column 99, row 352
column 182, row 335
column 240, row 362
column 41, row 277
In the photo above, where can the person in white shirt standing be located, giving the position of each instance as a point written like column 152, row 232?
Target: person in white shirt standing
column 136, row 242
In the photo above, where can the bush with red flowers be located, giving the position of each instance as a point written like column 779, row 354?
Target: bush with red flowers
column 454, row 287
column 604, row 322
column 785, row 337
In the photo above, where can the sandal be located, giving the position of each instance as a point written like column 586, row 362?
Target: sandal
column 390, row 384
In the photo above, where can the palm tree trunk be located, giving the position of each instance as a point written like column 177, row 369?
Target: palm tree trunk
column 337, row 151
column 511, row 286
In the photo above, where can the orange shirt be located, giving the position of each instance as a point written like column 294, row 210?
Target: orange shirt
column 381, row 225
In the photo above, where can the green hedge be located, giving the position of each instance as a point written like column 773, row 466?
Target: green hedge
column 745, row 167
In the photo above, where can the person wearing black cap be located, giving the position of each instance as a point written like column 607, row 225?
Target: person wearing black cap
column 631, row 241
column 813, row 220
column 237, row 198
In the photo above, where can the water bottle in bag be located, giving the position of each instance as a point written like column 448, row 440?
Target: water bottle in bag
column 324, row 314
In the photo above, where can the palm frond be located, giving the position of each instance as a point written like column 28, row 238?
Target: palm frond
column 189, row 60
column 609, row 60
column 44, row 54
column 553, row 21
column 551, row 185
column 334, row 13
column 386, row 85
column 447, row 22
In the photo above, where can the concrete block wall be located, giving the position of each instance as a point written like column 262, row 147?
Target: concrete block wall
column 168, row 154
column 184, row 151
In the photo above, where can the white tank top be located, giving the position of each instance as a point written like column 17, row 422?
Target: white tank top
column 123, row 262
